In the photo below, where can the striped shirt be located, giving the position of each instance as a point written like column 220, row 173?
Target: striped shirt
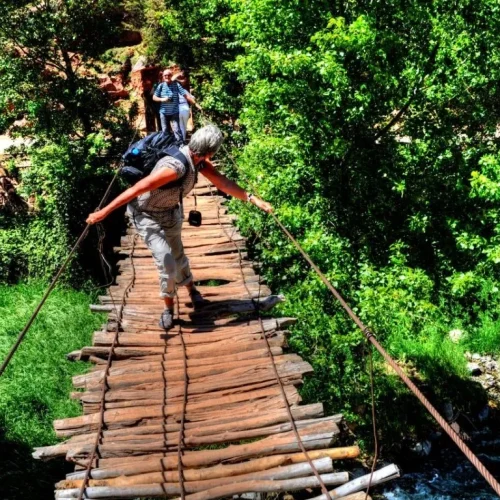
column 172, row 91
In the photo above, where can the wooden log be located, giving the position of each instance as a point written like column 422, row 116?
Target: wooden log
column 267, row 486
column 222, row 329
column 148, row 298
column 177, row 357
column 242, row 306
column 234, row 411
column 171, row 341
column 174, row 358
column 233, row 488
column 379, row 476
column 240, row 379
column 322, row 465
column 357, row 496
column 190, row 336
column 149, row 465
column 206, row 405
column 154, row 434
column 154, row 345
column 100, row 308
column 199, row 429
column 195, row 370
column 204, row 273
column 202, row 428
column 212, row 375
column 222, row 247
column 80, row 425
column 200, row 323
column 245, row 351
column 136, row 353
column 172, row 396
column 212, row 332
column 143, row 415
column 136, row 444
column 313, row 437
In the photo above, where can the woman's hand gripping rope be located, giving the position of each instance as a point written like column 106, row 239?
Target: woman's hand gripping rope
column 96, row 217
column 263, row 205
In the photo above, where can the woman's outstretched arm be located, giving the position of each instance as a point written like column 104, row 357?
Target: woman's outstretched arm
column 230, row 187
column 149, row 183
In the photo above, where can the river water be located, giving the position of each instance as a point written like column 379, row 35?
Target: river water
column 458, row 481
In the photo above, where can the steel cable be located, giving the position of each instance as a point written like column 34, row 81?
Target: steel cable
column 371, row 338
column 413, row 388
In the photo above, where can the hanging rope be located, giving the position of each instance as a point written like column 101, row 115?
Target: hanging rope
column 118, row 315
column 374, row 424
column 185, row 377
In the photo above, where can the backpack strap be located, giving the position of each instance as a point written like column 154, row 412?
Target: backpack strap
column 159, row 88
column 176, row 153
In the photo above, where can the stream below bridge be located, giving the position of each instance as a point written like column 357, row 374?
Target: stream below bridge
column 448, row 476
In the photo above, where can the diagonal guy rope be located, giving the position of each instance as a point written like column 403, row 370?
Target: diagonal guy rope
column 371, row 338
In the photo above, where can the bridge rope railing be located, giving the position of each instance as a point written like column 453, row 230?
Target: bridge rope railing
column 118, row 315
column 256, row 305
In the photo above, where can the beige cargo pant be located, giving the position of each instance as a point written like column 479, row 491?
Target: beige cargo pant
column 166, row 246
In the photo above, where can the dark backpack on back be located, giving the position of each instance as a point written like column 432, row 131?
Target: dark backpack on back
column 142, row 156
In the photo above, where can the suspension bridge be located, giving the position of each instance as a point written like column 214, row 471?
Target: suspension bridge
column 209, row 409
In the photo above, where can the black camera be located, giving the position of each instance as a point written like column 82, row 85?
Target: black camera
column 194, row 218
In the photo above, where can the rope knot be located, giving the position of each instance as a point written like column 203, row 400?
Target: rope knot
column 368, row 333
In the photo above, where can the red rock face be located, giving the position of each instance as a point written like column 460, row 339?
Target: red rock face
column 143, row 79
column 118, row 94
column 107, row 84
column 113, row 87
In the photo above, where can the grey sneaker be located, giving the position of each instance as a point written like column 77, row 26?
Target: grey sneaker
column 166, row 319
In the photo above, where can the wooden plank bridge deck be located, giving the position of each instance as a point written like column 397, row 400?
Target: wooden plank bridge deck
column 236, row 434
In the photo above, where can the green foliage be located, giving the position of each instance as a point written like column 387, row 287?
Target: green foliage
column 196, row 36
column 372, row 129
column 63, row 184
column 47, row 51
column 36, row 384
column 47, row 76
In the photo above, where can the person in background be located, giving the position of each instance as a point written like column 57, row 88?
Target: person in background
column 167, row 93
column 156, row 105
column 184, row 109
column 156, row 211
column 149, row 105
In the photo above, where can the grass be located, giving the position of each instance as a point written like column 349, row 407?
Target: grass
column 35, row 387
column 485, row 339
